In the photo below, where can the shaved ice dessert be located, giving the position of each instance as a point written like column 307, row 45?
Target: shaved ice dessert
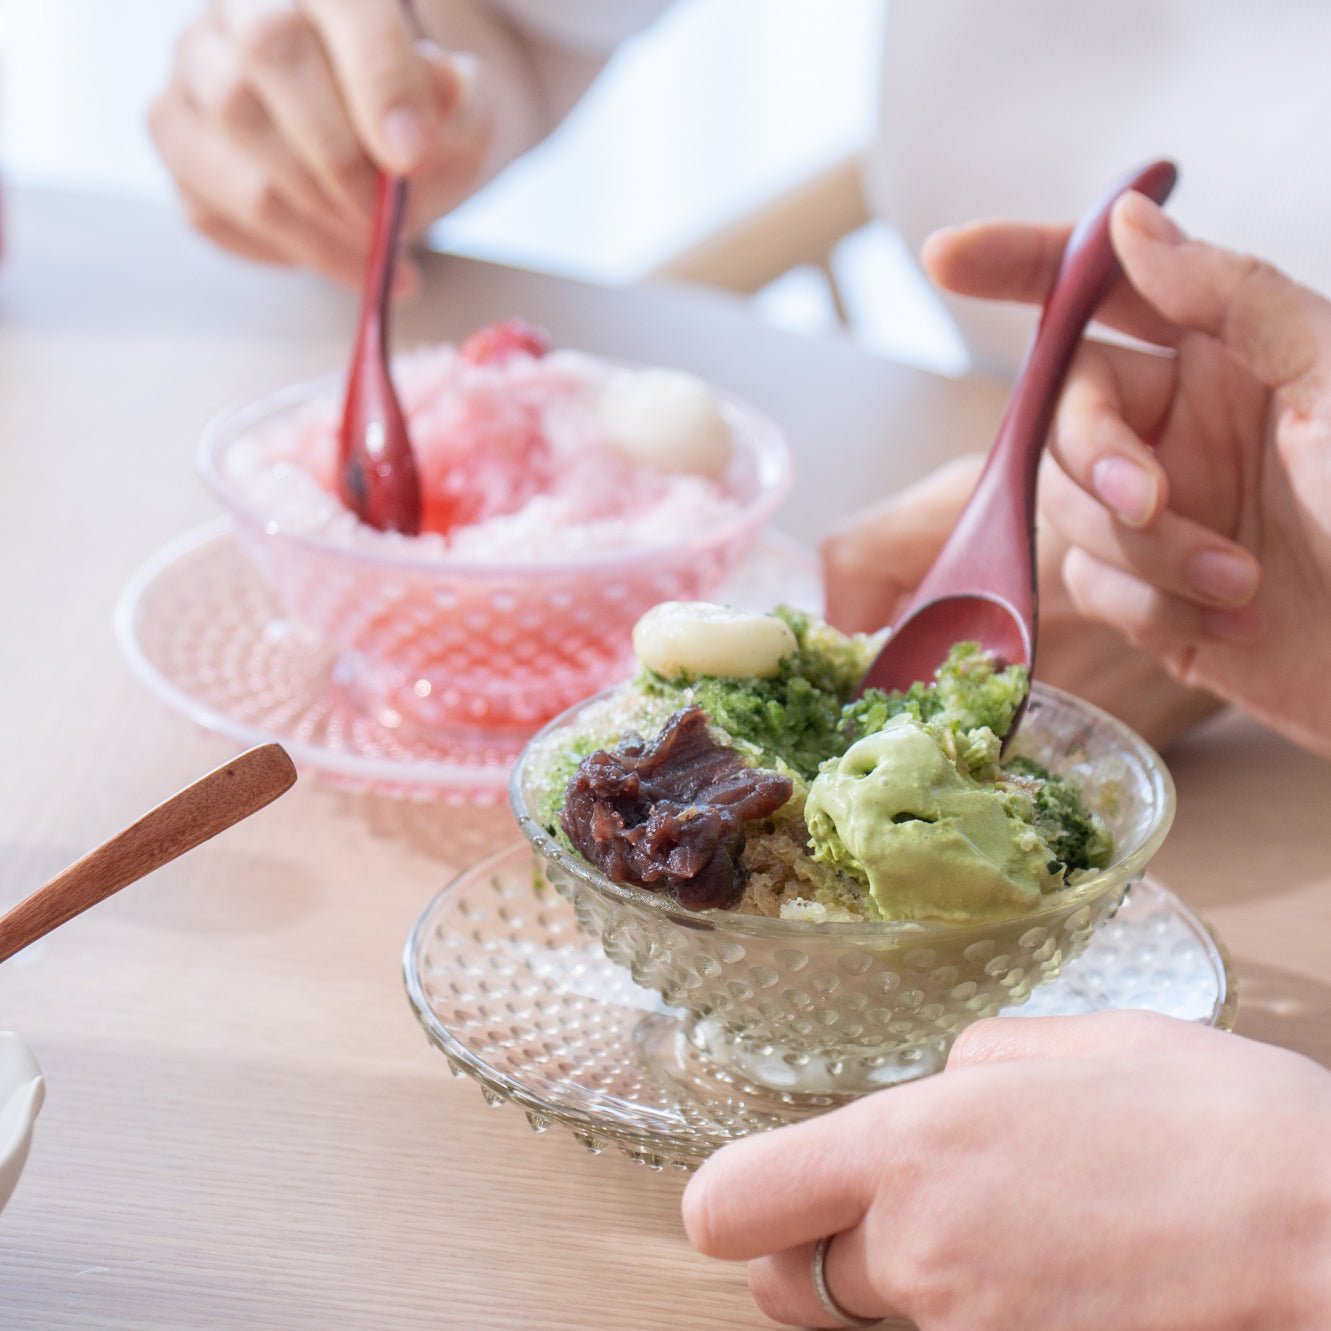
column 562, row 496
column 521, row 457
column 740, row 770
column 830, row 886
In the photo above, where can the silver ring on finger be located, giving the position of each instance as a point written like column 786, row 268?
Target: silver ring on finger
column 834, row 1309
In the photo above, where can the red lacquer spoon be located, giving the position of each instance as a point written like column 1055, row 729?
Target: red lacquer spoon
column 376, row 476
column 982, row 585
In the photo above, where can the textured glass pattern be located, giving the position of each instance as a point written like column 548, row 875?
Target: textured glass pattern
column 820, row 1006
column 210, row 638
column 509, row 988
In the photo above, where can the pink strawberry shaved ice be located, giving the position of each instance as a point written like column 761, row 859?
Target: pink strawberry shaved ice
column 514, row 451
column 562, row 496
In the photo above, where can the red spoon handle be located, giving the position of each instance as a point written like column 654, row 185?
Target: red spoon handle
column 377, row 476
column 390, row 200
column 997, row 520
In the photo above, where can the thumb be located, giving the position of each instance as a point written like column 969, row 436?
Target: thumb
column 1276, row 329
column 876, row 557
column 372, row 49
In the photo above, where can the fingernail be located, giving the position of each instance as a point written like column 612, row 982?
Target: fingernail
column 1224, row 577
column 1128, row 488
column 1244, row 625
column 1151, row 220
column 405, row 137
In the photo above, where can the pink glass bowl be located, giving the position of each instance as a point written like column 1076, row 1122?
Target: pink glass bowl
column 485, row 648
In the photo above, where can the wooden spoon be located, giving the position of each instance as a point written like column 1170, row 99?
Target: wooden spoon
column 225, row 796
column 982, row 585
column 376, row 475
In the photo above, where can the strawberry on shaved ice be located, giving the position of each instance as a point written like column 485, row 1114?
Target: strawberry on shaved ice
column 499, row 342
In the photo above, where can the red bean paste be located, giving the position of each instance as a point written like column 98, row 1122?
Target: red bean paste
column 669, row 814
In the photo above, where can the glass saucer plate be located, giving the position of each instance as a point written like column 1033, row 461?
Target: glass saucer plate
column 507, row 986
column 209, row 638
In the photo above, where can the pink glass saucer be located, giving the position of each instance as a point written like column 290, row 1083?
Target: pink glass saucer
column 208, row 637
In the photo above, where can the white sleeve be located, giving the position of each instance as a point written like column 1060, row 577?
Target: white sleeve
column 590, row 26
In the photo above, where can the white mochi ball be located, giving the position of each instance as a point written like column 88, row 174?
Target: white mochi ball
column 668, row 420
column 699, row 638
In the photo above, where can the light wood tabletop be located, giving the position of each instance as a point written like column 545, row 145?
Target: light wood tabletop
column 244, row 1126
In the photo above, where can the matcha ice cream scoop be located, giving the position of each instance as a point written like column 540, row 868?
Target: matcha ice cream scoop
column 929, row 840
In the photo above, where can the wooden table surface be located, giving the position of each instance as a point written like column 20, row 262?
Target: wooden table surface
column 244, row 1125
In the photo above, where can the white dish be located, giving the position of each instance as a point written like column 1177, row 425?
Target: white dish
column 22, row 1091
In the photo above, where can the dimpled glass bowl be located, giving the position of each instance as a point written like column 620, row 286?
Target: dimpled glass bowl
column 844, row 1008
column 484, row 647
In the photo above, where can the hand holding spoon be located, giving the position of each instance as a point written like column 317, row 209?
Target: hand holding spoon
column 211, row 805
column 376, row 474
column 982, row 585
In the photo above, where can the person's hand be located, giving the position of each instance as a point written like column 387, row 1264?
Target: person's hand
column 875, row 560
column 1193, row 487
column 278, row 115
column 1063, row 1174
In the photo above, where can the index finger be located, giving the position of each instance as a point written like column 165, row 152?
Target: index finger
column 1275, row 328
column 289, row 70
column 1018, row 261
column 389, row 93
column 776, row 1190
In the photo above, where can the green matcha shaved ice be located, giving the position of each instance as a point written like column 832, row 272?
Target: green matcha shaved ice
column 969, row 700
column 794, row 720
column 903, row 806
column 1076, row 838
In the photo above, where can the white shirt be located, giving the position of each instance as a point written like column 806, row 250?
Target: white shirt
column 1031, row 108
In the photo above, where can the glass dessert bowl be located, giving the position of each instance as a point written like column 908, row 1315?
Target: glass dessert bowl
column 477, row 641
column 821, row 1008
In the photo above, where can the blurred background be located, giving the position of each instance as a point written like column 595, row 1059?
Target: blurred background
column 632, row 183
